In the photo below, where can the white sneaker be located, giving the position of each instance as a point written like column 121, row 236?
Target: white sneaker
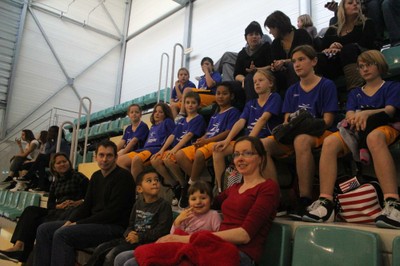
column 390, row 216
column 174, row 202
column 20, row 186
column 322, row 210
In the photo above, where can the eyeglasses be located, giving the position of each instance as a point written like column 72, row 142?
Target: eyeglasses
column 362, row 66
column 245, row 154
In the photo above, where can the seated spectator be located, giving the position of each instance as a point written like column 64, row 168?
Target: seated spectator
column 150, row 219
column 256, row 54
column 385, row 12
column 181, row 84
column 198, row 216
column 247, row 208
column 286, row 39
column 258, row 119
column 102, row 216
column 25, row 154
column 305, row 22
column 135, row 134
column 318, row 96
column 344, row 41
column 66, row 192
column 36, row 175
column 186, row 132
column 207, row 85
column 363, row 103
column 192, row 159
column 42, row 139
column 162, row 127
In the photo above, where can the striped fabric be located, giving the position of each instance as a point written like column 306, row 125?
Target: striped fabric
column 360, row 205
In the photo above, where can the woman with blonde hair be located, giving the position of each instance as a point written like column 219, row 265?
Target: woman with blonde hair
column 344, row 41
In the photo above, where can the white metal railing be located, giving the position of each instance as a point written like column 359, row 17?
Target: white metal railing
column 160, row 77
column 86, row 130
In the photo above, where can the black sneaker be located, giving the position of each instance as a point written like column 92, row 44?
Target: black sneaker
column 390, row 216
column 177, row 190
column 7, row 180
column 184, row 199
column 282, row 210
column 300, row 210
column 322, row 210
column 14, row 256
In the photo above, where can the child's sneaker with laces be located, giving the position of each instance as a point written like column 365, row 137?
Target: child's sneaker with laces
column 390, row 216
column 322, row 210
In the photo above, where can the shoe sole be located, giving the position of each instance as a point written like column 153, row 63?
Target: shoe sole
column 382, row 224
column 5, row 257
column 312, row 220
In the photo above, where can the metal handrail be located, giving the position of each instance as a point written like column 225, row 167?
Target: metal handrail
column 86, row 129
column 160, row 76
column 173, row 65
column 74, row 136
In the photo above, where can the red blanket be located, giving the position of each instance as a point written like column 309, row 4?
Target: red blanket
column 203, row 249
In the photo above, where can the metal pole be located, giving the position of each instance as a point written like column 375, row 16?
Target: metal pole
column 160, row 76
column 173, row 65
column 86, row 129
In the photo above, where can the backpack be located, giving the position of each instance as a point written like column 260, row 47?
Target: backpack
column 301, row 122
column 360, row 200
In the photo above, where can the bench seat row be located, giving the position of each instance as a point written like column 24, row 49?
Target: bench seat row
column 12, row 204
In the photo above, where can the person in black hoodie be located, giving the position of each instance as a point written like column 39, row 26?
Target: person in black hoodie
column 256, row 54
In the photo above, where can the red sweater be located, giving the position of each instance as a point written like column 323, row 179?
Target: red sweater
column 253, row 210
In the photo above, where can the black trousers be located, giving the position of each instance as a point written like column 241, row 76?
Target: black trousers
column 25, row 230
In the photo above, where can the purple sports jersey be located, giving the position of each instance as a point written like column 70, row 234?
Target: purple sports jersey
column 215, row 76
column 157, row 135
column 196, row 125
column 321, row 99
column 388, row 94
column 253, row 111
column 188, row 84
column 221, row 122
column 140, row 133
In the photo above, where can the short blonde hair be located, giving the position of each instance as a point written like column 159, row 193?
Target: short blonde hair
column 269, row 75
column 375, row 57
column 306, row 20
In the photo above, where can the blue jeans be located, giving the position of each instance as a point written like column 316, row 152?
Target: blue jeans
column 127, row 258
column 391, row 14
column 55, row 245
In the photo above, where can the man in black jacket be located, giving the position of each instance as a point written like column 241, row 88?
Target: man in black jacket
column 102, row 217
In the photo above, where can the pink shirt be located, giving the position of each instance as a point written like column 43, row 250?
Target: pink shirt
column 209, row 221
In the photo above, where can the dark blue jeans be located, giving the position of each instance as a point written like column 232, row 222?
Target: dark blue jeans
column 55, row 245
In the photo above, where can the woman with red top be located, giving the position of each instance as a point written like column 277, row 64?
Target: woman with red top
column 247, row 208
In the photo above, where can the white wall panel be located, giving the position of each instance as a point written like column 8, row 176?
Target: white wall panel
column 90, row 12
column 145, row 11
column 320, row 14
column 143, row 55
column 38, row 75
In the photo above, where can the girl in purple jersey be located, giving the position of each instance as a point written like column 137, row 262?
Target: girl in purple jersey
column 375, row 97
column 192, row 159
column 162, row 127
column 319, row 97
column 135, row 134
column 187, row 130
column 259, row 117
